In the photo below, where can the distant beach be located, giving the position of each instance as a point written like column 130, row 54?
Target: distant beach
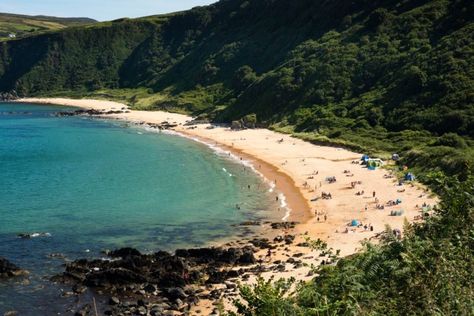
column 331, row 195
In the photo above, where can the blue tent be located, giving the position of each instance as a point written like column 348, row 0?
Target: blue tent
column 410, row 177
column 354, row 222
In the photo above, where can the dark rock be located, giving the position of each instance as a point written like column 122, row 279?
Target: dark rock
column 8, row 269
column 278, row 238
column 280, row 268
column 149, row 288
column 114, row 300
column 124, row 253
column 175, row 293
column 233, row 274
column 118, row 276
column 262, row 243
column 218, row 255
column 141, row 302
column 284, row 225
column 303, row 244
column 289, row 239
column 250, row 223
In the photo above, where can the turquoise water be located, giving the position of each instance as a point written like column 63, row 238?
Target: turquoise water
column 96, row 184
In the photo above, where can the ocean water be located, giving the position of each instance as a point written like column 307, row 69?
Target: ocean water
column 96, row 184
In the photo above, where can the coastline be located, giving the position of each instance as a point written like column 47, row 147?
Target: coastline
column 300, row 169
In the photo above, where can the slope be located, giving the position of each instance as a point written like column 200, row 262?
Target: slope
column 15, row 25
column 377, row 76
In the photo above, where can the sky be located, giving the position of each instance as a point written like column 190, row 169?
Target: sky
column 101, row 10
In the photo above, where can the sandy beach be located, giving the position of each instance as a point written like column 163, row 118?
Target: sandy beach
column 301, row 171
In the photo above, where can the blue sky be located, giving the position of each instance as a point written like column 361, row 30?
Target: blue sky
column 98, row 9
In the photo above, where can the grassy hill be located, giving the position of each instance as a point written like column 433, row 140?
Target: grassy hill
column 376, row 76
column 24, row 25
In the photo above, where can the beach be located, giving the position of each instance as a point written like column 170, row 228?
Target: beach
column 303, row 173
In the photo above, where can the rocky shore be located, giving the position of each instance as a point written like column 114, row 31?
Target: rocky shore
column 8, row 96
column 9, row 270
column 127, row 282
column 158, row 283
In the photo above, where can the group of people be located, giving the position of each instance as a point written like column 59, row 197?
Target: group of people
column 326, row 196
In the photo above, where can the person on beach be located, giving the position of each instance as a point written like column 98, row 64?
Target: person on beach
column 373, row 194
column 325, row 218
column 269, row 254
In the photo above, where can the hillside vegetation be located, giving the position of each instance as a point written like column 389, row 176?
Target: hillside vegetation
column 376, row 76
column 428, row 272
column 24, row 25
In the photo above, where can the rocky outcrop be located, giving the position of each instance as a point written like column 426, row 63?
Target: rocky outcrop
column 8, row 269
column 284, row 225
column 8, row 96
column 168, row 281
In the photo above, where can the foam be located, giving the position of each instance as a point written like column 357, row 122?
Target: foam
column 228, row 155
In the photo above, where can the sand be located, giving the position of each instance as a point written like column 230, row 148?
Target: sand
column 301, row 169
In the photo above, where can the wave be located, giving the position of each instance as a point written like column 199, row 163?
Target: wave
column 33, row 235
column 228, row 155
column 225, row 170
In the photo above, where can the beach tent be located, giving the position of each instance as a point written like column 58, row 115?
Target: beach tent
column 395, row 157
column 372, row 164
column 354, row 223
column 410, row 177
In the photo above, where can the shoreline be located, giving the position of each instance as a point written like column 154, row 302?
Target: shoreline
column 302, row 171
column 298, row 207
column 296, row 160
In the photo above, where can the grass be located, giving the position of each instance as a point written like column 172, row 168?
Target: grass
column 21, row 25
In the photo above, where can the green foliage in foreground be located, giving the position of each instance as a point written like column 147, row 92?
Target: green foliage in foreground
column 429, row 272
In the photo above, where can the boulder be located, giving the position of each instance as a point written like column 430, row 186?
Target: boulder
column 124, row 253
column 8, row 269
column 175, row 293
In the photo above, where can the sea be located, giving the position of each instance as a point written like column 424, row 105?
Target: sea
column 79, row 186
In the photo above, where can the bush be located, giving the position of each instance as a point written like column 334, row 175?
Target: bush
column 451, row 140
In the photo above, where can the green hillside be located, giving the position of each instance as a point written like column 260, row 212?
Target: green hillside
column 377, row 76
column 17, row 26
